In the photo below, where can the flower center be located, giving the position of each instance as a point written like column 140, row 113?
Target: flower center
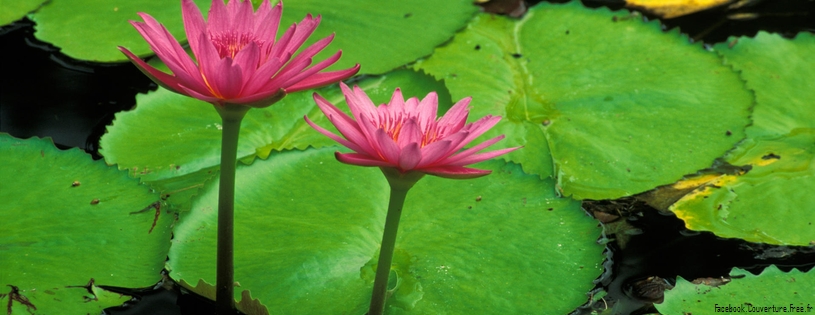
column 230, row 43
column 393, row 127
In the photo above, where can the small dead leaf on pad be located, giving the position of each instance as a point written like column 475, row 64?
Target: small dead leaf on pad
column 669, row 9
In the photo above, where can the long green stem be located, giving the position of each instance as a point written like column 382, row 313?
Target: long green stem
column 231, row 116
column 399, row 184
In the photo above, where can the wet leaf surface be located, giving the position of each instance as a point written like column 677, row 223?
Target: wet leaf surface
column 609, row 106
column 55, row 237
column 306, row 240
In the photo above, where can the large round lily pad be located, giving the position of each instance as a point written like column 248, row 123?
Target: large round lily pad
column 68, row 222
column 623, row 106
column 308, row 229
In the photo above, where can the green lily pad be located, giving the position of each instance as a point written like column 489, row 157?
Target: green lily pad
column 772, row 291
column 624, row 107
column 307, row 232
column 779, row 71
column 17, row 9
column 379, row 35
column 169, row 135
column 780, row 148
column 66, row 221
column 92, row 29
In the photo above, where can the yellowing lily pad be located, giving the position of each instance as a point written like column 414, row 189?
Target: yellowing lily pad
column 772, row 202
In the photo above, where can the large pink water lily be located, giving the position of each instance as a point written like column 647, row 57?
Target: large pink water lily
column 239, row 60
column 405, row 134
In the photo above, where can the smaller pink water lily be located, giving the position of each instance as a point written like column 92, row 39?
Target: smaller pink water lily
column 405, row 134
column 239, row 60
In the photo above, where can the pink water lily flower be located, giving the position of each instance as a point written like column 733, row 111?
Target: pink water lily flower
column 239, row 59
column 405, row 134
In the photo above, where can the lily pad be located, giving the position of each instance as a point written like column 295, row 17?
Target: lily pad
column 67, row 223
column 16, row 10
column 772, row 291
column 308, row 229
column 623, row 106
column 379, row 35
column 92, row 29
column 169, row 135
column 780, row 148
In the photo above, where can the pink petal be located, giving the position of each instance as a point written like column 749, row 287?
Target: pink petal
column 262, row 77
column 266, row 101
column 346, row 143
column 477, row 128
column 369, row 131
column 243, row 17
column 345, row 125
column 279, row 48
column 386, row 147
column 412, row 106
column 482, row 156
column 194, row 23
column 409, row 134
column 397, row 102
column 455, row 172
column 204, row 97
column 434, row 152
column 167, row 49
column 165, row 80
column 312, row 50
column 218, row 17
column 455, row 118
column 247, row 60
column 289, row 71
column 360, row 159
column 209, row 63
column 316, row 68
column 304, row 29
column 427, row 110
column 321, row 79
column 267, row 21
column 360, row 104
column 472, row 150
column 410, row 157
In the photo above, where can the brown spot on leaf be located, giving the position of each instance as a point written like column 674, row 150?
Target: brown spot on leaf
column 771, row 156
column 76, row 183
column 95, row 201
column 15, row 296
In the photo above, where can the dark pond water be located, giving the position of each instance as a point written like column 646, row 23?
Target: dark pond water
column 45, row 94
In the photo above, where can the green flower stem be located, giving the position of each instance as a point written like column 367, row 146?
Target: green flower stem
column 400, row 184
column 231, row 116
